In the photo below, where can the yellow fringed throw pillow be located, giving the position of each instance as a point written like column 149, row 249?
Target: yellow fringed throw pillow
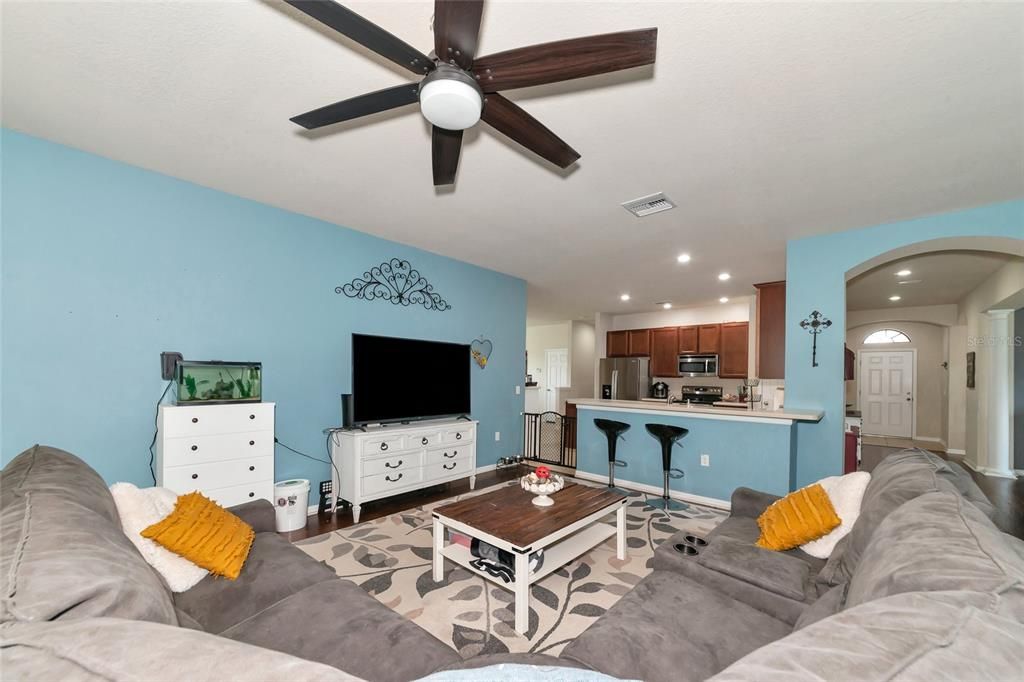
column 801, row 516
column 206, row 534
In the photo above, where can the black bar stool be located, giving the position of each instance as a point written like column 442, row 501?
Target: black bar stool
column 612, row 430
column 668, row 436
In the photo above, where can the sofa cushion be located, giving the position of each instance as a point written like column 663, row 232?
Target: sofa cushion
column 824, row 606
column 911, row 636
column 900, row 477
column 515, row 659
column 45, row 469
column 337, row 623
column 764, row 568
column 674, row 629
column 964, row 483
column 62, row 559
column 274, row 570
column 937, row 542
column 117, row 650
column 746, row 529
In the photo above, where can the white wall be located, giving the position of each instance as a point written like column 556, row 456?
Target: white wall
column 579, row 339
column 930, row 342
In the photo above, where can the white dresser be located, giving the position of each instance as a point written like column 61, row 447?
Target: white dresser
column 224, row 451
column 388, row 460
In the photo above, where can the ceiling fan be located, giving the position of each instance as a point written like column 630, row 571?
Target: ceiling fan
column 458, row 88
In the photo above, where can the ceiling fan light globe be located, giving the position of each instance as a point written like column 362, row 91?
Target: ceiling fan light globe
column 450, row 104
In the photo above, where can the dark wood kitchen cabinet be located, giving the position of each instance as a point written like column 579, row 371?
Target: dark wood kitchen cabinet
column 664, row 352
column 733, row 347
column 771, row 330
column 639, row 343
column 708, row 338
column 617, row 345
column 687, row 340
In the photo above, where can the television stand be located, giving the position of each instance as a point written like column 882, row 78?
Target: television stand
column 404, row 457
column 464, row 416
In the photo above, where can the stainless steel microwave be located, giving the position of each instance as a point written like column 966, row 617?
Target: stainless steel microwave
column 698, row 365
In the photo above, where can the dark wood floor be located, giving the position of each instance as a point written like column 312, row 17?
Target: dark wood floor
column 317, row 525
column 1006, row 494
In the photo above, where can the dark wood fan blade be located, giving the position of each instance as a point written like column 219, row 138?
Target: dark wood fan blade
column 370, row 103
column 566, row 59
column 509, row 119
column 457, row 30
column 447, row 145
column 366, row 33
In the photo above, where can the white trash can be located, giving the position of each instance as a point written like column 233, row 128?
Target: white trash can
column 291, row 498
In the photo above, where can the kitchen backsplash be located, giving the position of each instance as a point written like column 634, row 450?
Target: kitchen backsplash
column 767, row 387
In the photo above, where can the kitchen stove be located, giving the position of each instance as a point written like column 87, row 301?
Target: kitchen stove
column 701, row 395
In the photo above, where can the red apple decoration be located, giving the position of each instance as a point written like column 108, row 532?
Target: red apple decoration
column 543, row 472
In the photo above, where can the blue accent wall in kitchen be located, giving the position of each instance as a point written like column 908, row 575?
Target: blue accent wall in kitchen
column 104, row 265
column 816, row 270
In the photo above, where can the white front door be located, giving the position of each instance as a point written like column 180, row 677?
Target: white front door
column 556, row 376
column 887, row 392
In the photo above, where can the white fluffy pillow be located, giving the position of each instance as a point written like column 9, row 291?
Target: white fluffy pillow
column 141, row 508
column 845, row 493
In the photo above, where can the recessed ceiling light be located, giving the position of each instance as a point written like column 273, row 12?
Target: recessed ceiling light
column 666, row 305
column 894, row 298
column 724, row 276
column 624, row 297
column 903, row 273
column 724, row 299
column 683, row 258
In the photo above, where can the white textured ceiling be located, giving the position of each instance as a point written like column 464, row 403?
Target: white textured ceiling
column 935, row 279
column 763, row 122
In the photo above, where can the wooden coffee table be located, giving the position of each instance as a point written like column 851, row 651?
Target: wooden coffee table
column 508, row 519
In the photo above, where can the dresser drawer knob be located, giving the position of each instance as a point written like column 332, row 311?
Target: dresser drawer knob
column 389, row 465
column 451, row 455
column 424, row 441
column 458, row 436
column 194, row 448
column 392, row 480
column 195, row 420
column 252, row 416
column 252, row 494
column 252, row 442
column 450, row 465
column 252, row 468
column 383, row 446
column 195, row 476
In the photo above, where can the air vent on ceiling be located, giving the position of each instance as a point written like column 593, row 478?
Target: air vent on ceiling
column 645, row 206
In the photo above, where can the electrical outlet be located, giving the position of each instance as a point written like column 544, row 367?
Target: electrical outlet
column 519, row 389
column 705, row 460
column 497, row 435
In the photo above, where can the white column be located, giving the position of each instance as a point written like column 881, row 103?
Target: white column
column 999, row 393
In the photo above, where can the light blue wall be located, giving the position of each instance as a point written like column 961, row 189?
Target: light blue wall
column 104, row 265
column 816, row 280
column 741, row 453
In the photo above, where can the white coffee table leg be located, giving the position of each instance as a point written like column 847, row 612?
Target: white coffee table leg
column 438, row 546
column 522, row 589
column 620, row 532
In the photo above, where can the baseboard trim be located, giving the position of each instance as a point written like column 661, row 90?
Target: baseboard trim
column 655, row 490
column 489, row 467
column 956, row 451
column 988, row 471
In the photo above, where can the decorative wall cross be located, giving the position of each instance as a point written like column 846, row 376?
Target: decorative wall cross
column 815, row 324
column 395, row 281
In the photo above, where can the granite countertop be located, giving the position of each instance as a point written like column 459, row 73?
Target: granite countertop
column 683, row 409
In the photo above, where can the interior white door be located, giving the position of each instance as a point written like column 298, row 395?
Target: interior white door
column 887, row 392
column 556, row 376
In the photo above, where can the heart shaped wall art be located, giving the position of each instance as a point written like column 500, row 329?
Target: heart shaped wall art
column 481, row 351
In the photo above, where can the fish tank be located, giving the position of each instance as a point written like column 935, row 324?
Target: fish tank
column 216, row 382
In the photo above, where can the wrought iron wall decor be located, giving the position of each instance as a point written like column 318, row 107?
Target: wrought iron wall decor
column 481, row 351
column 815, row 323
column 396, row 281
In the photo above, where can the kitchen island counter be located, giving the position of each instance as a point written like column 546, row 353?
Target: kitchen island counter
column 699, row 411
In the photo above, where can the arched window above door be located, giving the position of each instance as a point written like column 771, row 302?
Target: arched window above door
column 887, row 336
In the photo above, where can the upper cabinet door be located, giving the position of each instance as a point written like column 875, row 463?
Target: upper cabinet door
column 732, row 356
column 664, row 352
column 687, row 340
column 708, row 338
column 771, row 330
column 618, row 345
column 639, row 342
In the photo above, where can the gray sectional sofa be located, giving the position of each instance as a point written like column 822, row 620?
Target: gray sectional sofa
column 924, row 587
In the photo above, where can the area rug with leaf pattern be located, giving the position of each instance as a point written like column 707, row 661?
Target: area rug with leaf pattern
column 390, row 558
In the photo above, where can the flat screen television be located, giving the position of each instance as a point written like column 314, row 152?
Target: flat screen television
column 396, row 380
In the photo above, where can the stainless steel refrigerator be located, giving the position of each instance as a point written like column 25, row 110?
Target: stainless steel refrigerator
column 625, row 378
